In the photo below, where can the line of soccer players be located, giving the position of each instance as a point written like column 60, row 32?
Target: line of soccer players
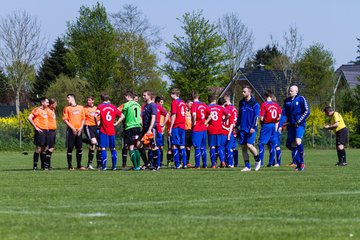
column 190, row 123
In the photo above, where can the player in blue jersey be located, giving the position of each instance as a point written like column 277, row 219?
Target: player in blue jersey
column 295, row 112
column 247, row 124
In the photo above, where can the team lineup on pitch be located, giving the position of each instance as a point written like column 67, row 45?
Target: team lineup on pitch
column 191, row 123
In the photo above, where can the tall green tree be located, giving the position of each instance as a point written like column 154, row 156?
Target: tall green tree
column 195, row 60
column 136, row 41
column 92, row 53
column 52, row 66
column 317, row 74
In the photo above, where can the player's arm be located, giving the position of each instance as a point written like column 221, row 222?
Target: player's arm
column 172, row 121
column 305, row 109
column 70, row 125
column 256, row 118
column 30, row 118
column 262, row 112
column 153, row 118
column 121, row 118
column 79, row 131
column 209, row 118
column 231, row 128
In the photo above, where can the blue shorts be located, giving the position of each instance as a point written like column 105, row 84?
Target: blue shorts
column 199, row 139
column 229, row 144
column 247, row 138
column 276, row 139
column 266, row 133
column 106, row 141
column 178, row 137
column 159, row 139
column 216, row 140
column 294, row 132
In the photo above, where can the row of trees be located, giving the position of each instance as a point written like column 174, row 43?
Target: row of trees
column 117, row 51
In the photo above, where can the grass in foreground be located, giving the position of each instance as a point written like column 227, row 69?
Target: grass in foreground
column 275, row 203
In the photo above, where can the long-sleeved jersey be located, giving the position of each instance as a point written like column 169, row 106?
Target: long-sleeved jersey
column 295, row 111
column 248, row 114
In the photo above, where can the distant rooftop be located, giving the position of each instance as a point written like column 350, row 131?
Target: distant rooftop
column 351, row 74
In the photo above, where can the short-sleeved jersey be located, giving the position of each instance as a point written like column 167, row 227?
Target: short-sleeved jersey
column 132, row 112
column 188, row 125
column 160, row 117
column 227, row 123
column 40, row 118
column 178, row 108
column 271, row 112
column 107, row 113
column 51, row 119
column 202, row 112
column 233, row 111
column 146, row 114
column 215, row 124
column 90, row 115
column 75, row 115
column 336, row 117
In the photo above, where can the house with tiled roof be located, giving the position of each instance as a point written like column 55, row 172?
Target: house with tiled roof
column 350, row 73
column 259, row 80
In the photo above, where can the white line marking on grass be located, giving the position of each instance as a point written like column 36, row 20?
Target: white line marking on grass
column 97, row 214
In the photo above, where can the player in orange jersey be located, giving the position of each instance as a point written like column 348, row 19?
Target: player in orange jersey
column 39, row 119
column 74, row 118
column 52, row 130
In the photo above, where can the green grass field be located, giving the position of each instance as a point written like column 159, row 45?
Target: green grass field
column 323, row 202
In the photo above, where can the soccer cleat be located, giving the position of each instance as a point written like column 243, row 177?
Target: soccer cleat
column 213, row 167
column 189, row 165
column 81, row 168
column 114, row 169
column 246, row 169
column 35, row 168
column 137, row 169
column 301, row 168
column 104, row 169
column 197, row 168
column 343, row 164
column 184, row 167
column 257, row 166
column 90, row 167
column 223, row 165
column 292, row 165
column 277, row 165
column 269, row 165
column 143, row 167
column 71, row 168
column 231, row 166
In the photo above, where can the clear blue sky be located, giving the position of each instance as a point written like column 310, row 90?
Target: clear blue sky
column 333, row 23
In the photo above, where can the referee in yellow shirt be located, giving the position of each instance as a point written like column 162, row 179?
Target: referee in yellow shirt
column 338, row 126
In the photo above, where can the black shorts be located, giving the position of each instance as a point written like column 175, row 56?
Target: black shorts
column 153, row 140
column 131, row 136
column 91, row 132
column 73, row 140
column 342, row 136
column 188, row 139
column 40, row 138
column 51, row 137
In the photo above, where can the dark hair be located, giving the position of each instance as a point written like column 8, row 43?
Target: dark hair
column 328, row 109
column 149, row 93
column 158, row 99
column 175, row 91
column 221, row 101
column 188, row 100
column 91, row 97
column 42, row 99
column 248, row 87
column 211, row 98
column 129, row 93
column 104, row 96
column 52, row 101
column 268, row 93
column 71, row 95
column 195, row 94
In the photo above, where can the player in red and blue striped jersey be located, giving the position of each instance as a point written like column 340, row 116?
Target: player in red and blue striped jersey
column 227, row 128
column 200, row 114
column 177, row 127
column 107, row 113
column 270, row 114
column 215, row 133
column 234, row 113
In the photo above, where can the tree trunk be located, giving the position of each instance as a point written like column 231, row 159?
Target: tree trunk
column 17, row 102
